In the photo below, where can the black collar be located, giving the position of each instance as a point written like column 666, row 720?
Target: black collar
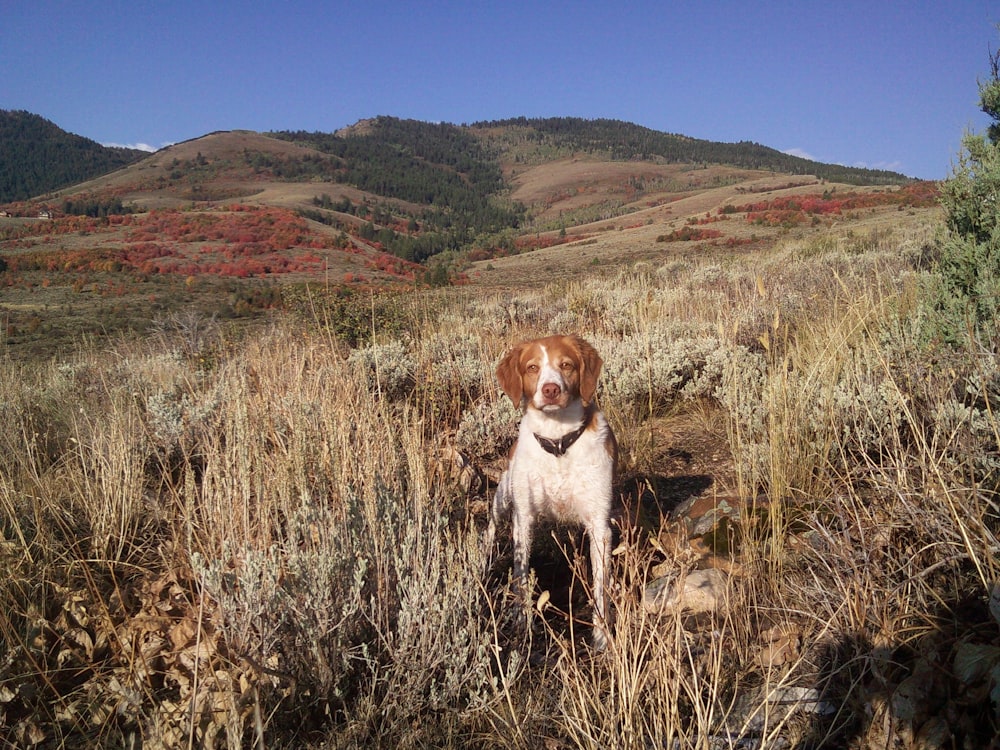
column 563, row 444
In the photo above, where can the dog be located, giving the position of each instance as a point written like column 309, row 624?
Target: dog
column 563, row 461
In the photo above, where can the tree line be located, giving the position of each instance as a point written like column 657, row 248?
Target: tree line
column 36, row 156
column 440, row 166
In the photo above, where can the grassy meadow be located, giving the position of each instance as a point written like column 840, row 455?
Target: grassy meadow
column 223, row 538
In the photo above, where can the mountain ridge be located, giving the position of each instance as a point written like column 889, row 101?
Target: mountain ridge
column 629, row 141
column 38, row 157
column 417, row 190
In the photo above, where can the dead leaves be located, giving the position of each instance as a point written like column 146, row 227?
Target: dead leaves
column 779, row 645
column 177, row 641
column 162, row 673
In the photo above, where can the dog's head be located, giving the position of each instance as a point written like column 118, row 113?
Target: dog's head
column 550, row 373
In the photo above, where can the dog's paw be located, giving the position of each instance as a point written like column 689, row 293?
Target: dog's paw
column 600, row 638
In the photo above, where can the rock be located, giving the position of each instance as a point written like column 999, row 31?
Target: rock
column 914, row 699
column 978, row 664
column 802, row 698
column 757, row 712
column 781, row 644
column 698, row 591
column 933, row 735
column 701, row 514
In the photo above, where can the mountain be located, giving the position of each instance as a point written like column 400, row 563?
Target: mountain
column 625, row 141
column 36, row 156
column 456, row 172
column 470, row 180
column 447, row 170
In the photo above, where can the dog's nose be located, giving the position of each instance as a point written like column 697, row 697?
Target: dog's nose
column 551, row 391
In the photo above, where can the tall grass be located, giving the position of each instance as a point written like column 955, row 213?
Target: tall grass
column 268, row 542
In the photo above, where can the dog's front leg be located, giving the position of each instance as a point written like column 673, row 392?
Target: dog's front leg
column 521, row 524
column 521, row 530
column 600, row 558
column 501, row 505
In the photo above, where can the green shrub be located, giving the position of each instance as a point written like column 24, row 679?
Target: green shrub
column 968, row 299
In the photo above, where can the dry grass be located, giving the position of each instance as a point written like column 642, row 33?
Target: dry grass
column 558, row 190
column 268, row 543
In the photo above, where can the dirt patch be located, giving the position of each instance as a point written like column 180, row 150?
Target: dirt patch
column 686, row 456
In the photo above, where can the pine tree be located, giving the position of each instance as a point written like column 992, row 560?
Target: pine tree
column 969, row 266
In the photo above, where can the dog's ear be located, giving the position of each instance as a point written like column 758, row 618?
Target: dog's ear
column 590, row 368
column 509, row 375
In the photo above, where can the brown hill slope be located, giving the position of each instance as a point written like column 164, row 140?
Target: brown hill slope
column 211, row 226
column 229, row 164
column 570, row 188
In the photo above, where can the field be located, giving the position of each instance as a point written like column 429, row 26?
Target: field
column 262, row 527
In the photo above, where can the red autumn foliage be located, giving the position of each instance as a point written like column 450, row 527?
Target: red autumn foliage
column 537, row 241
column 275, row 228
column 390, row 264
column 795, row 209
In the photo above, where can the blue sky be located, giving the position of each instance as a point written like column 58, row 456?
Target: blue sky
column 879, row 84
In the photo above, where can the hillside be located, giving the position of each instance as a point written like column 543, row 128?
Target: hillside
column 456, row 183
column 36, row 156
column 533, row 139
column 275, row 540
column 230, row 224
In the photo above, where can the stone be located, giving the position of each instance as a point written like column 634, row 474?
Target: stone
column 701, row 514
column 698, row 591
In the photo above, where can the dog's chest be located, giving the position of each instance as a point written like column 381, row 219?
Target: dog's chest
column 558, row 491
column 570, row 486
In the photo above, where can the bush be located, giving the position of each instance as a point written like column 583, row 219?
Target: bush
column 387, row 369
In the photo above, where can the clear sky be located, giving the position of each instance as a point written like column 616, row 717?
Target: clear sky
column 877, row 83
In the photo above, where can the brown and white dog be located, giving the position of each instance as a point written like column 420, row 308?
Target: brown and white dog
column 563, row 462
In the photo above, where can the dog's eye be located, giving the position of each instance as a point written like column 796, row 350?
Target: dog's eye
column 532, row 368
column 567, row 365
